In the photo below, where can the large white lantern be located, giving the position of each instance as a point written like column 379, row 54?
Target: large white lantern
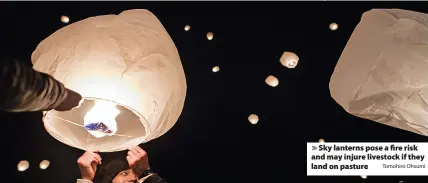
column 382, row 74
column 129, row 72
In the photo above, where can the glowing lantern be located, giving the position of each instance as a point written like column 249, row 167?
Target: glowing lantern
column 23, row 165
column 289, row 60
column 253, row 119
column 129, row 72
column 210, row 35
column 387, row 83
column 65, row 19
column 272, row 81
column 187, row 28
column 364, row 176
column 321, row 141
column 333, row 26
column 216, row 69
column 44, row 164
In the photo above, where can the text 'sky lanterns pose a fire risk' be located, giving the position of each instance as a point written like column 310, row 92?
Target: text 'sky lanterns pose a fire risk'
column 382, row 74
column 129, row 72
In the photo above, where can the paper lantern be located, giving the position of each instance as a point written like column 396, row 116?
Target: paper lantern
column 321, row 141
column 289, row 60
column 382, row 72
column 333, row 26
column 65, row 19
column 44, row 164
column 23, row 165
column 364, row 176
column 210, row 35
column 129, row 72
column 272, row 81
column 187, row 28
column 253, row 119
column 216, row 68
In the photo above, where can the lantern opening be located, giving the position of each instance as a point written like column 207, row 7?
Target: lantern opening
column 98, row 124
column 100, row 120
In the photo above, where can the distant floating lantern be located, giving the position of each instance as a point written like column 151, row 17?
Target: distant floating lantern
column 23, row 165
column 364, row 176
column 333, row 26
column 272, row 81
column 216, row 69
column 44, row 164
column 289, row 59
column 210, row 35
column 187, row 28
column 65, row 19
column 253, row 119
column 321, row 141
column 133, row 93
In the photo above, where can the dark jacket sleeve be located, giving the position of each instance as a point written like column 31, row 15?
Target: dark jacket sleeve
column 155, row 178
column 22, row 89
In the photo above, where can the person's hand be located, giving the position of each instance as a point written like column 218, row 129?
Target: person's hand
column 138, row 160
column 73, row 100
column 88, row 165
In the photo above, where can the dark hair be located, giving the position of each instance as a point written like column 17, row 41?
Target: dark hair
column 107, row 172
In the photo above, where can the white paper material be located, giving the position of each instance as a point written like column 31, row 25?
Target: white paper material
column 128, row 59
column 382, row 74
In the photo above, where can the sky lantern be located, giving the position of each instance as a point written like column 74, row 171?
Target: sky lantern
column 187, row 28
column 65, row 19
column 321, row 141
column 333, row 26
column 210, row 35
column 44, row 164
column 364, row 176
column 133, row 93
column 386, row 84
column 23, row 165
column 289, row 60
column 216, row 68
column 272, row 81
column 253, row 118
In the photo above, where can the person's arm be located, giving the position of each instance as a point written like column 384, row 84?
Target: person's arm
column 152, row 178
column 23, row 89
column 83, row 181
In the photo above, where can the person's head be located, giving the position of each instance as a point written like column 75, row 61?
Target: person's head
column 116, row 171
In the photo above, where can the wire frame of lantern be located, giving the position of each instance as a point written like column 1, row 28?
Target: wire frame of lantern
column 23, row 165
column 187, row 28
column 65, row 19
column 272, row 81
column 210, row 36
column 333, row 26
column 289, row 60
column 253, row 118
column 44, row 164
column 216, row 69
column 133, row 93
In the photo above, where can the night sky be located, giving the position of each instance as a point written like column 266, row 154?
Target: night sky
column 213, row 141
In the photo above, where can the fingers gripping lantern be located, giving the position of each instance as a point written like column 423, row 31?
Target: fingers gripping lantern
column 129, row 72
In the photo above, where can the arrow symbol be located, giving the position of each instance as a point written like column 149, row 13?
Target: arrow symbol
column 314, row 147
